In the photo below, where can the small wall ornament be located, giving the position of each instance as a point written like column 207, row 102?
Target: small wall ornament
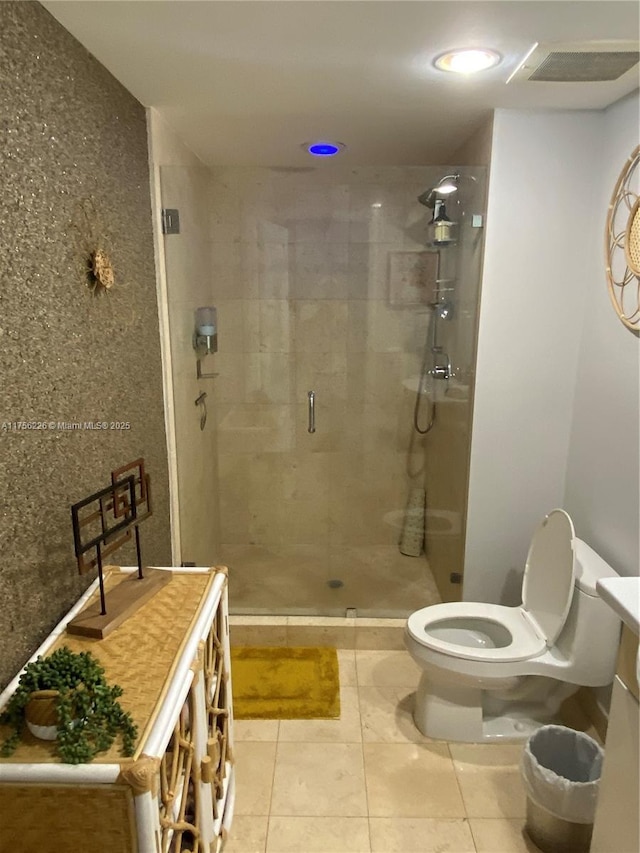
column 91, row 246
column 622, row 244
column 100, row 272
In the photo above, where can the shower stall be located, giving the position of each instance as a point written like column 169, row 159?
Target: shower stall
column 346, row 317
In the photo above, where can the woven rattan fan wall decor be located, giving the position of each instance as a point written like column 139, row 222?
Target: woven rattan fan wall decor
column 622, row 244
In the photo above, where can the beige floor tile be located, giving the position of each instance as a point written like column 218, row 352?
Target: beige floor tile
column 385, row 668
column 371, row 637
column 254, row 776
column 420, row 835
column 495, row 835
column 258, row 635
column 256, row 729
column 386, row 714
column 318, row 835
column 318, row 779
column 346, row 729
column 347, row 664
column 411, row 780
column 489, row 778
column 248, row 835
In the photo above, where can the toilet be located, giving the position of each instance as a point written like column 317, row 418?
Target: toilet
column 491, row 672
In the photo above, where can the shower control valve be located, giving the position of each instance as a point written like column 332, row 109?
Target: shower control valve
column 440, row 371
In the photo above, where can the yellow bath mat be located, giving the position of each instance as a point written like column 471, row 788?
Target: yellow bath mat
column 285, row 683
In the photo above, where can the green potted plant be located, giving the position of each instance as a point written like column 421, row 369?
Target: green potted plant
column 65, row 696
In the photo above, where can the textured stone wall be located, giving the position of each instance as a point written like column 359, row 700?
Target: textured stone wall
column 73, row 175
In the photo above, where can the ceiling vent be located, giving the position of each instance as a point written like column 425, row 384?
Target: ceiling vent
column 586, row 62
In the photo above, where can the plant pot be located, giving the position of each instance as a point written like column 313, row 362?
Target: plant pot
column 41, row 715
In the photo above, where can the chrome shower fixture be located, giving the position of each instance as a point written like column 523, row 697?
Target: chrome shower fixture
column 445, row 186
column 428, row 198
column 448, row 184
column 444, row 309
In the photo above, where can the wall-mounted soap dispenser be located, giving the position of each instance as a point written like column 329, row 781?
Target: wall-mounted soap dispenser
column 205, row 337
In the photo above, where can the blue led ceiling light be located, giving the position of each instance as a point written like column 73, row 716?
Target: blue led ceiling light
column 324, row 149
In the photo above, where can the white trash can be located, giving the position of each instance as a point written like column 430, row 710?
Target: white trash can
column 561, row 773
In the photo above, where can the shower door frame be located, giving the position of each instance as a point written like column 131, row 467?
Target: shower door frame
column 162, row 294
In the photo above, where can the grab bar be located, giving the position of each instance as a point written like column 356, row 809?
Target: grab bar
column 312, row 411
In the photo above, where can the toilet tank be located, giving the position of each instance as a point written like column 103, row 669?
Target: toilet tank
column 591, row 633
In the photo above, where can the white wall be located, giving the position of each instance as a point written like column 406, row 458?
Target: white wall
column 167, row 148
column 602, row 481
column 538, row 257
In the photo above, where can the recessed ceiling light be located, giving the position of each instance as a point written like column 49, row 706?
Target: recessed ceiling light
column 467, row 61
column 324, row 149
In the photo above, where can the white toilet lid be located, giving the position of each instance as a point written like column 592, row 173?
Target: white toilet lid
column 547, row 588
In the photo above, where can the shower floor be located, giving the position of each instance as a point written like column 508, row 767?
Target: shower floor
column 376, row 581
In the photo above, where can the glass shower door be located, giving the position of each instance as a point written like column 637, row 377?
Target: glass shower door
column 317, row 276
column 187, row 269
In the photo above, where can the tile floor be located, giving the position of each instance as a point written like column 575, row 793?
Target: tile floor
column 370, row 781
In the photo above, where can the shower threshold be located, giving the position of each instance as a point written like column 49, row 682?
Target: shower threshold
column 340, row 632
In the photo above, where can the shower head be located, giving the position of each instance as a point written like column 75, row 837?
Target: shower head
column 448, row 184
column 445, row 186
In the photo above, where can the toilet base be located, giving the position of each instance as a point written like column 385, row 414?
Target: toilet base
column 447, row 712
column 468, row 714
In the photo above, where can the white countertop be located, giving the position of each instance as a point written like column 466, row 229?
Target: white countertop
column 623, row 596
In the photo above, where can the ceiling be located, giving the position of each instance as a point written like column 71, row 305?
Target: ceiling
column 246, row 82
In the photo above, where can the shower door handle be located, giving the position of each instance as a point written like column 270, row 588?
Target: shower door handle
column 312, row 411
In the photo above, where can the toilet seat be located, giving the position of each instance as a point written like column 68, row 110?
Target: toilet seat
column 495, row 633
column 525, row 641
